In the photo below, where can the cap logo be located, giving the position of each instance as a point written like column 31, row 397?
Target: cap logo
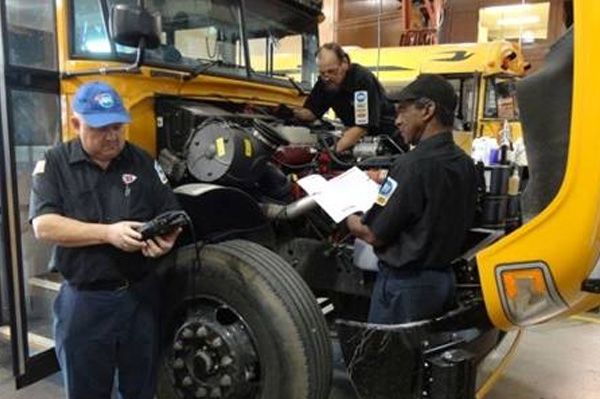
column 105, row 100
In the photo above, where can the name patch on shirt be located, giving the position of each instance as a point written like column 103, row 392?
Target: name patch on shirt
column 40, row 167
column 386, row 190
column 361, row 107
column 161, row 173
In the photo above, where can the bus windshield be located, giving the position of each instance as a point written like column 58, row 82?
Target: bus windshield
column 283, row 41
column 195, row 32
column 205, row 33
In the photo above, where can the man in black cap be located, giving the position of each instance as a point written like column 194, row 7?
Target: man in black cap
column 424, row 209
column 353, row 92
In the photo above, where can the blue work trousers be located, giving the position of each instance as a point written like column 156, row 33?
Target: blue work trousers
column 103, row 334
column 401, row 296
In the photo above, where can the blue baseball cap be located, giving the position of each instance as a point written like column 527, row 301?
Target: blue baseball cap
column 100, row 105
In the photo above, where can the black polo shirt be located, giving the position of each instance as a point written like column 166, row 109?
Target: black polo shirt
column 431, row 195
column 133, row 188
column 360, row 101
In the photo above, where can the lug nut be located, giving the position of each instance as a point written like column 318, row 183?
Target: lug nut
column 201, row 392
column 249, row 375
column 177, row 346
column 215, row 393
column 187, row 381
column 187, row 333
column 201, row 332
column 217, row 342
column 225, row 381
column 178, row 364
column 226, row 361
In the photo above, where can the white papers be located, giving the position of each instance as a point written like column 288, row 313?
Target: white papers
column 313, row 184
column 352, row 191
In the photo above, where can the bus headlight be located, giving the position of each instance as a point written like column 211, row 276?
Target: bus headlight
column 528, row 292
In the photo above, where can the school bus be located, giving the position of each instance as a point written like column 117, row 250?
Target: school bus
column 483, row 74
column 209, row 117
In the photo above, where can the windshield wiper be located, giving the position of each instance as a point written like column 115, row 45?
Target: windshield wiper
column 200, row 69
column 300, row 89
column 291, row 79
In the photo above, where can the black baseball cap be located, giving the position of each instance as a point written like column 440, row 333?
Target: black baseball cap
column 433, row 87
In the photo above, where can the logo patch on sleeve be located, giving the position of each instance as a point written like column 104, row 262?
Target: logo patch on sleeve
column 386, row 190
column 361, row 107
column 161, row 173
column 40, row 167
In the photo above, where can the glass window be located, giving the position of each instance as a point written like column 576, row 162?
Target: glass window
column 197, row 34
column 527, row 23
column 465, row 109
column 501, row 99
column 32, row 137
column 31, row 33
column 282, row 41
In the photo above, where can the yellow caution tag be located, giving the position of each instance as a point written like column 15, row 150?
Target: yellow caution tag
column 220, row 143
column 248, row 148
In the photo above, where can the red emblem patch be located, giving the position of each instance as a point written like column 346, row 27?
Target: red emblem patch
column 128, row 178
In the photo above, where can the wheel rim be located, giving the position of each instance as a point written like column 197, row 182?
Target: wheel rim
column 213, row 355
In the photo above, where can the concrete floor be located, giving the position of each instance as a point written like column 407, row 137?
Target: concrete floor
column 559, row 360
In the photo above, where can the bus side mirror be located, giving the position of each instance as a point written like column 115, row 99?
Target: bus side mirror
column 134, row 26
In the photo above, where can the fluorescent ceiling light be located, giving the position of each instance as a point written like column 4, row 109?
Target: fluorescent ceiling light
column 528, row 37
column 520, row 20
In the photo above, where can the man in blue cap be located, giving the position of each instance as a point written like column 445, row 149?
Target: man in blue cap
column 88, row 197
column 424, row 210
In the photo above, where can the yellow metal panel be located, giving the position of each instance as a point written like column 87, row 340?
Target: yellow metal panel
column 565, row 235
column 401, row 64
column 139, row 90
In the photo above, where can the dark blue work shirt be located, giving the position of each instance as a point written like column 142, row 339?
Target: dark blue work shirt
column 133, row 188
column 425, row 206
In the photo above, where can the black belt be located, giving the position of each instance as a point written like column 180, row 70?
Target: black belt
column 409, row 270
column 105, row 285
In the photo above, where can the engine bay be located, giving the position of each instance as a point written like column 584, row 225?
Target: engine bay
column 248, row 160
column 251, row 148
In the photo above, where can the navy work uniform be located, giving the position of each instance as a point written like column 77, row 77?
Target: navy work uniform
column 422, row 215
column 360, row 101
column 106, row 313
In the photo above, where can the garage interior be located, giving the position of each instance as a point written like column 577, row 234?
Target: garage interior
column 554, row 360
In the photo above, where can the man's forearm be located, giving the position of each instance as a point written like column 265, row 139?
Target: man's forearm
column 360, row 230
column 350, row 137
column 304, row 114
column 69, row 232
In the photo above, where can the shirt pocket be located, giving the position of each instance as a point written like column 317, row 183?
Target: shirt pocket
column 139, row 203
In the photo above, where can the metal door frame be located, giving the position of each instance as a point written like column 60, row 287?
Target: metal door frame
column 27, row 369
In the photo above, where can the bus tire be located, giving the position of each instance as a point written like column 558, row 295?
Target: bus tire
column 265, row 315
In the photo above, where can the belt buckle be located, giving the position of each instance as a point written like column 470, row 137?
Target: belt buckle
column 123, row 287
